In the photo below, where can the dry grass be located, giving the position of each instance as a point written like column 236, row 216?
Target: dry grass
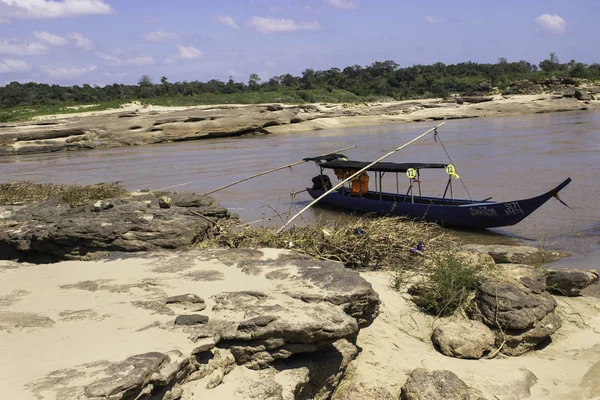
column 25, row 192
column 372, row 243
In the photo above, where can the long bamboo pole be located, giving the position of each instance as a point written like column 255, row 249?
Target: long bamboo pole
column 356, row 174
column 273, row 170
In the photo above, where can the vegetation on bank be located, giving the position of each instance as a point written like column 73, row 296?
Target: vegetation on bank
column 380, row 80
column 443, row 279
column 75, row 195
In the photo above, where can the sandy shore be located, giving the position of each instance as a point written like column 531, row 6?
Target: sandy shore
column 62, row 326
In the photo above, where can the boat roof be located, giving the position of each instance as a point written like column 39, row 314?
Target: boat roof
column 380, row 166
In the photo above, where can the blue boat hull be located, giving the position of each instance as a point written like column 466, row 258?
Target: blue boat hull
column 446, row 212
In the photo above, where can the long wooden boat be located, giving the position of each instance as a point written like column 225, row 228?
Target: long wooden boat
column 446, row 211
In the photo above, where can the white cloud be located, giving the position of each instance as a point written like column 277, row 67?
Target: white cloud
column 226, row 20
column 270, row 25
column 81, row 42
column 159, row 36
column 115, row 74
column 11, row 65
column 20, row 48
column 143, row 60
column 54, row 40
column 63, row 72
column 347, row 4
column 552, row 22
column 52, row 9
column 435, row 20
column 169, row 61
column 189, row 52
column 4, row 21
column 111, row 59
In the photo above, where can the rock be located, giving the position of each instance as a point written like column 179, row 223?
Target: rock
column 215, row 379
column 510, row 305
column 184, row 298
column 186, row 302
column 131, row 378
column 582, row 95
column 164, row 202
column 515, row 304
column 463, row 339
column 193, row 319
column 54, row 228
column 570, row 92
column 173, row 394
column 517, row 254
column 435, row 385
column 473, row 99
column 520, row 342
column 102, row 205
column 570, row 282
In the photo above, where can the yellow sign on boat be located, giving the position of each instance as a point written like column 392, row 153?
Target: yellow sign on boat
column 450, row 170
column 411, row 173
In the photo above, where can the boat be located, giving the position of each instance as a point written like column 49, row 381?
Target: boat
column 445, row 210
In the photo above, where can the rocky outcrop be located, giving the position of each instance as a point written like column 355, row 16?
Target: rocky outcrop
column 463, row 339
column 517, row 254
column 139, row 125
column 438, row 384
column 283, row 325
column 516, row 304
column 570, row 282
column 53, row 228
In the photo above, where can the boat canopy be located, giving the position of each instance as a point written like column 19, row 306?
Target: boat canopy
column 380, row 166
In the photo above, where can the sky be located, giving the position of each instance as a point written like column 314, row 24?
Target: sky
column 101, row 42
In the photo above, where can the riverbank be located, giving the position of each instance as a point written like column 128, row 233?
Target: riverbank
column 254, row 323
column 136, row 124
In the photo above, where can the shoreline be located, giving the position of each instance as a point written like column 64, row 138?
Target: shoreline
column 136, row 124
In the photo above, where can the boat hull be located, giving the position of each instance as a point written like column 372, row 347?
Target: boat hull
column 459, row 213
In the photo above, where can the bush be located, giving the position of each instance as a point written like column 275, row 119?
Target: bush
column 75, row 195
column 447, row 286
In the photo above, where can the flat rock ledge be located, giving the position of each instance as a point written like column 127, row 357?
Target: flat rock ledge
column 54, row 230
column 257, row 323
column 504, row 254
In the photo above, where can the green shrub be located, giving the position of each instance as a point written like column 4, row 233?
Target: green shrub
column 448, row 285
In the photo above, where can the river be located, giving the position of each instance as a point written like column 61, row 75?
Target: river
column 508, row 158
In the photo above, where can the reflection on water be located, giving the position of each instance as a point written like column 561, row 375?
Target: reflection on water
column 508, row 158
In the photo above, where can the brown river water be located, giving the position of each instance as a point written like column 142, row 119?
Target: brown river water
column 508, row 158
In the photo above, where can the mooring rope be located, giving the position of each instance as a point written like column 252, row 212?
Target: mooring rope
column 437, row 137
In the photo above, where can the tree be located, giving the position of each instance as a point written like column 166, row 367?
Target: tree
column 254, row 81
column 145, row 80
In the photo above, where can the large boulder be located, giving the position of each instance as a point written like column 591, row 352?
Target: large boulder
column 129, row 224
column 517, row 305
column 463, row 338
column 435, row 385
column 570, row 282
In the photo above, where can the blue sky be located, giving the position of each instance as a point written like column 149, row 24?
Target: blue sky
column 101, row 42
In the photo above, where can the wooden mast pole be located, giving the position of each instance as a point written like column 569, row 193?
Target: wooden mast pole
column 356, row 174
column 273, row 170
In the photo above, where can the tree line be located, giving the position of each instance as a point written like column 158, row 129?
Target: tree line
column 378, row 80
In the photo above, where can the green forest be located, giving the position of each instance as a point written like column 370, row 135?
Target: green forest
column 380, row 80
